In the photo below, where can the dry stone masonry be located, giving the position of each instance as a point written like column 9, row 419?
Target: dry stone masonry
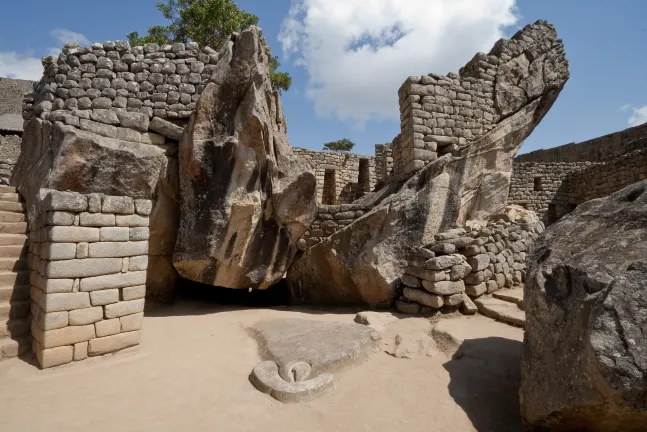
column 88, row 259
column 341, row 177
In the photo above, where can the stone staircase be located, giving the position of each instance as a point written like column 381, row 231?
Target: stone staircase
column 14, row 276
column 504, row 305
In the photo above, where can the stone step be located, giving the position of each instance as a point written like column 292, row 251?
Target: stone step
column 8, row 189
column 8, row 278
column 10, row 197
column 15, row 252
column 11, row 217
column 14, row 328
column 10, row 206
column 14, row 310
column 13, row 227
column 514, row 295
column 501, row 310
column 14, row 347
column 12, row 264
column 13, row 239
column 14, row 293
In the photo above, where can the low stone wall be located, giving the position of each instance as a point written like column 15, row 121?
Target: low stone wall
column 331, row 218
column 593, row 150
column 463, row 264
column 88, row 257
column 543, row 187
column 340, row 179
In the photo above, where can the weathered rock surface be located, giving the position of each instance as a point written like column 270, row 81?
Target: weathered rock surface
column 300, row 354
column 246, row 199
column 585, row 359
column 64, row 158
column 362, row 262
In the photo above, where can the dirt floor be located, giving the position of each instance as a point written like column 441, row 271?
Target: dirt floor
column 191, row 374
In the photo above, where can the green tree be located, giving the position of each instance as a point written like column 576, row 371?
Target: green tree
column 209, row 23
column 339, row 145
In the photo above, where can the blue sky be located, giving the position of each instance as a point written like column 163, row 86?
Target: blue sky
column 336, row 95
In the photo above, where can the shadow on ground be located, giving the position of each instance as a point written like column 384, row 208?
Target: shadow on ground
column 194, row 298
column 485, row 378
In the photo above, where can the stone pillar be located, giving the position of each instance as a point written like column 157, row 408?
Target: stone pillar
column 88, row 260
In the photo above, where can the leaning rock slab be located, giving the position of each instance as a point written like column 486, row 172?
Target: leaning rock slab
column 246, row 198
column 585, row 351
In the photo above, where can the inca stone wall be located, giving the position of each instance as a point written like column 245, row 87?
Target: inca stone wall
column 440, row 114
column 384, row 161
column 88, row 261
column 593, row 150
column 464, row 264
column 341, row 177
column 543, row 187
column 88, row 87
column 331, row 218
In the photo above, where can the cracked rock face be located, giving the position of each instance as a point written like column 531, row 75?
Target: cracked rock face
column 246, row 198
column 584, row 361
column 362, row 262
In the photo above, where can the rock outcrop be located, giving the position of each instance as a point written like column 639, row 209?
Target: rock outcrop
column 585, row 359
column 246, row 199
column 362, row 262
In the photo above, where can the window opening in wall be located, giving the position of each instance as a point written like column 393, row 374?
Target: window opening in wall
column 329, row 187
column 537, row 184
column 363, row 179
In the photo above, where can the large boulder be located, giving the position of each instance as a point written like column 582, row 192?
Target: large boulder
column 362, row 262
column 585, row 350
column 246, row 198
column 56, row 156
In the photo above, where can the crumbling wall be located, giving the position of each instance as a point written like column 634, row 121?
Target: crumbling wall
column 384, row 161
column 88, row 261
column 343, row 184
column 331, row 218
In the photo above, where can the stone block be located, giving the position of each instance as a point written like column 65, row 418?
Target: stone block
column 492, row 286
column 479, row 262
column 143, row 207
column 94, row 202
column 132, row 221
column 65, row 201
column 60, row 301
column 444, row 287
column 410, row 281
column 72, row 234
column 97, row 219
column 114, row 234
column 108, row 327
column 49, row 320
column 118, row 204
column 153, row 138
column 85, row 316
column 476, row 290
column 430, row 275
column 104, row 297
column 80, row 351
column 424, row 298
column 64, row 336
column 124, row 308
column 139, row 233
column 138, row 263
column 118, row 249
column 59, row 218
column 134, row 120
column 58, row 251
column 443, row 262
column 132, row 322
column 82, row 268
column 120, row 280
column 133, row 293
column 52, row 286
column 48, row 358
column 82, row 250
column 105, row 345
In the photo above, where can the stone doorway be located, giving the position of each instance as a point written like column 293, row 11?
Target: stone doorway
column 329, row 187
column 363, row 179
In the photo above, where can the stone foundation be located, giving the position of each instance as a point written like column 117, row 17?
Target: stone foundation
column 88, row 258
column 332, row 218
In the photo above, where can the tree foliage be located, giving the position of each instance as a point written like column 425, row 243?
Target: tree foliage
column 209, row 23
column 340, row 145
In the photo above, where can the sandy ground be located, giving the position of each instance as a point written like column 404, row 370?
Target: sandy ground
column 191, row 373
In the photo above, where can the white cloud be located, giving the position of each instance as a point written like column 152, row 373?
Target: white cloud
column 357, row 53
column 26, row 66
column 638, row 116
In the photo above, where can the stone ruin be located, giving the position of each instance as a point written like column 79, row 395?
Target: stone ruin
column 144, row 166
